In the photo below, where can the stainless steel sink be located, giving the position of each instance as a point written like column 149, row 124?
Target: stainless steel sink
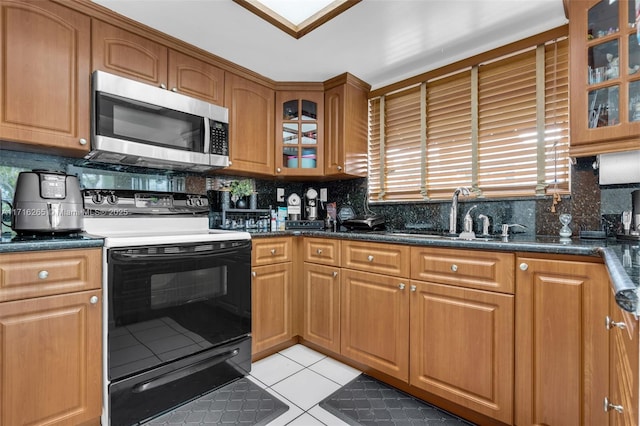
column 439, row 236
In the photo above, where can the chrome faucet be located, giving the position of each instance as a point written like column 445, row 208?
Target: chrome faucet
column 453, row 214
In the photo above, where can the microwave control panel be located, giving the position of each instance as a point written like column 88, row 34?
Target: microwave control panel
column 219, row 138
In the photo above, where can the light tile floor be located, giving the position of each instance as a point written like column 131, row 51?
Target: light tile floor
column 301, row 378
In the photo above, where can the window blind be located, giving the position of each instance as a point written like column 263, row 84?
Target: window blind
column 500, row 128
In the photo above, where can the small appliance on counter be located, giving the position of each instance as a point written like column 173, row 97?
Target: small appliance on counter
column 631, row 219
column 294, row 211
column 47, row 202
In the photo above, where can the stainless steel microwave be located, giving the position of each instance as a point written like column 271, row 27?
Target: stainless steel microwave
column 141, row 125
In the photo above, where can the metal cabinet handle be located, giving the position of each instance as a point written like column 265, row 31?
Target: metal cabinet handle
column 174, row 89
column 609, row 323
column 253, row 274
column 401, row 286
column 273, row 251
column 93, row 300
column 413, row 287
column 339, row 168
column 163, row 86
column 319, row 251
column 335, row 274
column 370, row 258
column 43, row 275
column 608, row 405
column 278, row 170
column 82, row 141
column 524, row 266
column 454, row 268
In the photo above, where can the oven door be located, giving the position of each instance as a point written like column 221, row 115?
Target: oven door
column 171, row 301
column 179, row 324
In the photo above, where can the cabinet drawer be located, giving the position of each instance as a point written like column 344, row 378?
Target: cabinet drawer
column 323, row 251
column 389, row 259
column 465, row 268
column 270, row 250
column 43, row 273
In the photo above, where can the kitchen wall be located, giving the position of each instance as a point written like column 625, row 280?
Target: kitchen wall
column 587, row 203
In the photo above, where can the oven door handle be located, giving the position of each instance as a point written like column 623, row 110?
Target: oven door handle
column 171, row 256
column 185, row 371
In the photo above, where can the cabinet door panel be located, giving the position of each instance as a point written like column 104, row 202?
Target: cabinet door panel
column 50, row 350
column 120, row 52
column 251, row 120
column 562, row 343
column 462, row 347
column 375, row 321
column 192, row 77
column 44, row 74
column 271, row 306
column 322, row 306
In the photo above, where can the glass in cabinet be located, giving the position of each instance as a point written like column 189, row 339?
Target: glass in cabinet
column 605, row 88
column 299, row 150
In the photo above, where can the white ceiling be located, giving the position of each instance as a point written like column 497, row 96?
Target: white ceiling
column 379, row 41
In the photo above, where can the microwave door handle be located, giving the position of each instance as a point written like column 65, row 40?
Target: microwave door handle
column 207, row 135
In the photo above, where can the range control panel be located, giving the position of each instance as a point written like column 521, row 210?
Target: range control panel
column 144, row 202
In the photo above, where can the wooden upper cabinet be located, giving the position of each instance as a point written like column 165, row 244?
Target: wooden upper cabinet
column 44, row 75
column 605, row 77
column 346, row 127
column 251, row 119
column 121, row 52
column 299, row 133
column 196, row 78
column 124, row 53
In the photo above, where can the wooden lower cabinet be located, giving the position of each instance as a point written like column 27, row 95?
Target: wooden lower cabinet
column 322, row 306
column 374, row 324
column 462, row 347
column 271, row 306
column 50, row 358
column 562, row 345
column 624, row 380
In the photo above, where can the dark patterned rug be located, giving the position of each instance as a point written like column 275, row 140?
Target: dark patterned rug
column 367, row 401
column 239, row 403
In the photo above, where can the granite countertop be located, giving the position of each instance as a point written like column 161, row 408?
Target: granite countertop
column 10, row 242
column 621, row 257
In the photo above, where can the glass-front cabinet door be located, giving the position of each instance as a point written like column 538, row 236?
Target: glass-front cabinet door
column 605, row 76
column 299, row 143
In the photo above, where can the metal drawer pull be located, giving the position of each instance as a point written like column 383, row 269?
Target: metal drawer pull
column 273, row 251
column 413, row 287
column 370, row 258
column 43, row 275
column 524, row 266
column 611, row 324
column 253, row 274
column 401, row 286
column 335, row 274
column 319, row 251
column 93, row 300
column 608, row 405
column 454, row 268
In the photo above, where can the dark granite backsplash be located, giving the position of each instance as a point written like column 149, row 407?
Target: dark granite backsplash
column 587, row 203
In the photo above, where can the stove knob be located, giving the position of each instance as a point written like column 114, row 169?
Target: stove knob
column 201, row 202
column 190, row 202
column 97, row 198
column 112, row 199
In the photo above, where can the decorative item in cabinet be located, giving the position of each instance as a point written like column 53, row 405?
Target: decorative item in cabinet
column 605, row 89
column 299, row 150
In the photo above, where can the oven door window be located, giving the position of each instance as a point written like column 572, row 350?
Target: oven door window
column 169, row 302
column 122, row 118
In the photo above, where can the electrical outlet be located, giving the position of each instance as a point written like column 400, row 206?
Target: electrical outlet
column 280, row 195
column 323, row 195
